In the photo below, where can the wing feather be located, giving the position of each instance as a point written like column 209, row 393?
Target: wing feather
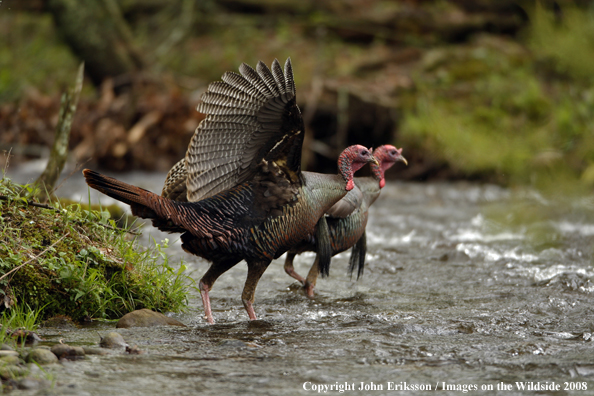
column 250, row 118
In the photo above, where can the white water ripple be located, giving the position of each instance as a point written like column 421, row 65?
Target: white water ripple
column 475, row 250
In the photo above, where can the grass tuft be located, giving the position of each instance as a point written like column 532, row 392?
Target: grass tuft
column 76, row 262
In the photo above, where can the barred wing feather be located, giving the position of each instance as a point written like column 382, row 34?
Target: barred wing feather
column 252, row 118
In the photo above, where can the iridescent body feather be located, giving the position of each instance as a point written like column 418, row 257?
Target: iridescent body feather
column 247, row 197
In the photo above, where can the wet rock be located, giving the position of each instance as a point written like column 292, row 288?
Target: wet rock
column 146, row 318
column 6, row 347
column 12, row 371
column 65, row 351
column 233, row 343
column 134, row 350
column 444, row 257
column 32, row 383
column 41, row 356
column 9, row 360
column 113, row 340
column 583, row 337
column 94, row 351
column 29, row 337
column 70, row 389
column 8, row 353
column 92, row 374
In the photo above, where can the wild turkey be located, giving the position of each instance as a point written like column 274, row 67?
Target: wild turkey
column 248, row 199
column 347, row 220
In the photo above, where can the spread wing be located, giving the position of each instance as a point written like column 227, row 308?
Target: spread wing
column 252, row 119
column 175, row 182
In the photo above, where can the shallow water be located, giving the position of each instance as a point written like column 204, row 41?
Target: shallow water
column 455, row 295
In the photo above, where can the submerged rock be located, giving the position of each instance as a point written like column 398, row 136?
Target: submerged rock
column 41, row 356
column 232, row 343
column 134, row 350
column 113, row 340
column 146, row 318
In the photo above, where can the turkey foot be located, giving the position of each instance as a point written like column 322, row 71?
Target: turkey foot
column 308, row 288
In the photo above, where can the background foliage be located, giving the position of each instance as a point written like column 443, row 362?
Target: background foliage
column 490, row 90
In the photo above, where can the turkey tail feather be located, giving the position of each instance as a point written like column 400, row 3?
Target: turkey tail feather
column 114, row 188
column 358, row 256
column 143, row 203
column 323, row 248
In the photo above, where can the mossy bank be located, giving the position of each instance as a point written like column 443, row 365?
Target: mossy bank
column 76, row 262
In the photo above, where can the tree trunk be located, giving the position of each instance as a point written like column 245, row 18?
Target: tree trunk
column 98, row 34
column 47, row 181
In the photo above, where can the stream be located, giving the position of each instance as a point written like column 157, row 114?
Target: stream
column 468, row 289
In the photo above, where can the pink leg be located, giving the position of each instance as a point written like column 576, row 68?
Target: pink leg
column 206, row 302
column 250, row 309
column 308, row 288
column 216, row 269
column 290, row 270
column 255, row 271
column 310, row 283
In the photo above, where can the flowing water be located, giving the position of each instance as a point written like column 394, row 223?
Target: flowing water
column 468, row 289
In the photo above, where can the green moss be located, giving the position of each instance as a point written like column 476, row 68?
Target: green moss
column 566, row 42
column 76, row 262
column 489, row 109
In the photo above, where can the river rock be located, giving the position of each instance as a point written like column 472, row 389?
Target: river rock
column 146, row 318
column 113, row 340
column 94, row 351
column 12, row 371
column 232, row 343
column 6, row 347
column 134, row 350
column 33, row 383
column 41, row 356
column 29, row 337
column 65, row 351
column 9, row 360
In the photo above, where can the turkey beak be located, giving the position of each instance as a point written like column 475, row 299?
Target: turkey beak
column 404, row 160
column 374, row 160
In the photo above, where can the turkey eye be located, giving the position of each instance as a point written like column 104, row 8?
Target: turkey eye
column 364, row 152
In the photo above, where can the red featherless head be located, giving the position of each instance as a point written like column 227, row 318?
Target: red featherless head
column 351, row 160
column 387, row 155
